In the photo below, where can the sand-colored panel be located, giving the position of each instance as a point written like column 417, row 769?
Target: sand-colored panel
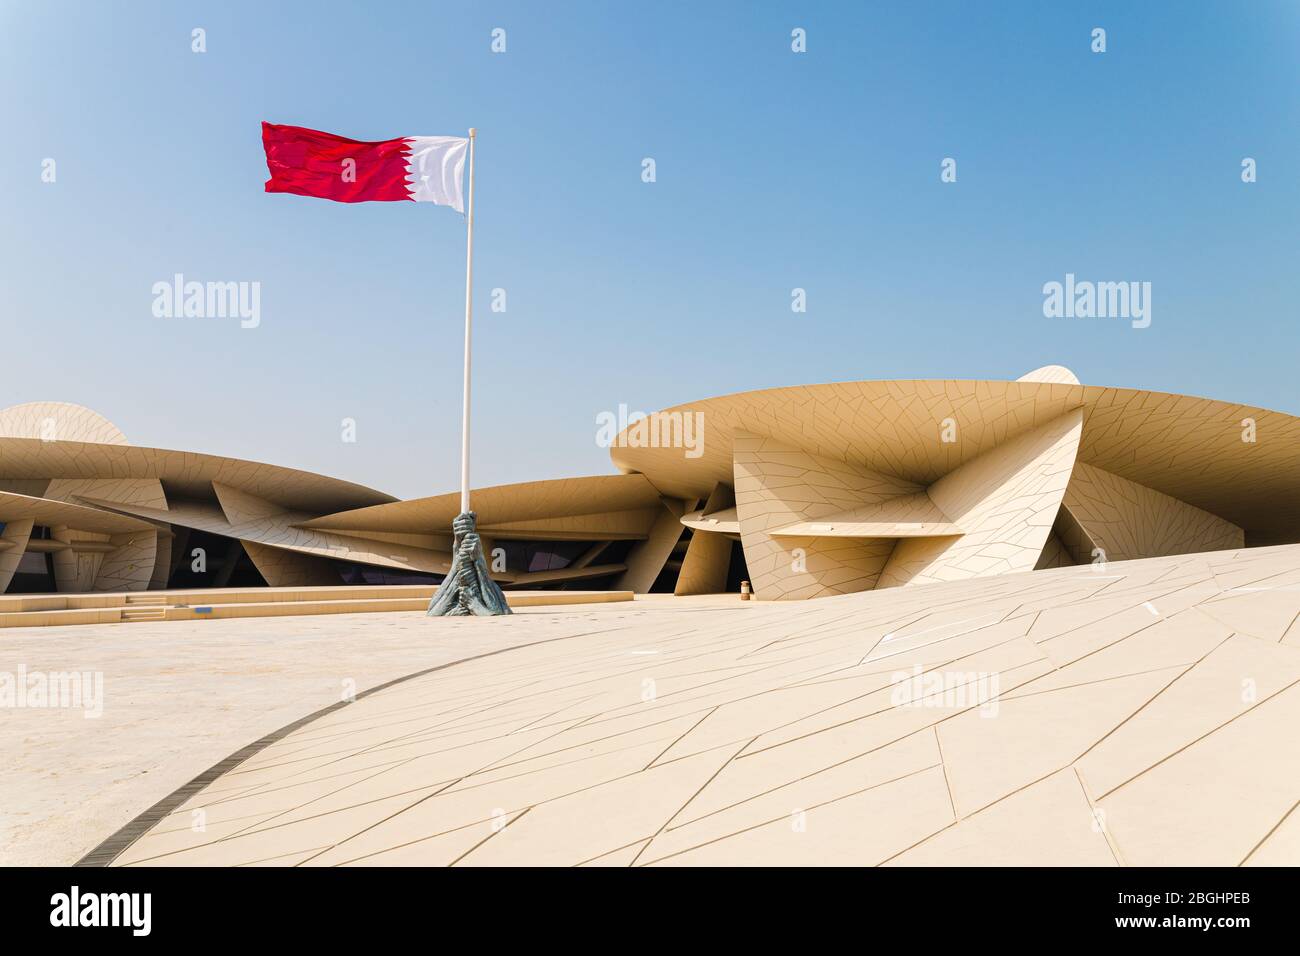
column 58, row 421
column 1225, row 683
column 832, row 833
column 726, row 521
column 590, row 823
column 244, row 509
column 718, row 513
column 1281, row 846
column 778, row 486
column 137, row 491
column 50, row 513
column 1127, row 520
column 502, row 505
column 162, row 559
column 1005, row 501
column 754, row 792
column 607, row 525
column 906, row 516
column 1055, row 554
column 289, row 569
column 989, row 751
column 704, row 569
column 1052, row 374
column 647, row 558
column 1074, row 538
column 1216, row 799
column 1271, row 614
column 1050, row 823
column 130, row 565
column 77, row 561
column 1234, row 461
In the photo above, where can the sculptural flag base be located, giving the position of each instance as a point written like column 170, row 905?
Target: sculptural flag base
column 467, row 590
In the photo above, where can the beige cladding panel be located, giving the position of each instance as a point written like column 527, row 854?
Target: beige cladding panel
column 504, row 505
column 75, row 568
column 705, row 567
column 611, row 525
column 135, row 491
column 1051, row 374
column 242, row 508
column 1234, row 461
column 1127, row 520
column 58, row 421
column 1055, row 554
column 904, row 516
column 290, row 569
column 647, row 558
column 1078, row 544
column 777, row 486
column 162, row 562
column 1005, row 502
column 50, row 513
column 130, row 565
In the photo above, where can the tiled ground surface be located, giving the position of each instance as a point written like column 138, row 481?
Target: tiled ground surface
column 1144, row 713
column 179, row 696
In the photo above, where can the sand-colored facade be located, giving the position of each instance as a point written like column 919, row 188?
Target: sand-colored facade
column 805, row 491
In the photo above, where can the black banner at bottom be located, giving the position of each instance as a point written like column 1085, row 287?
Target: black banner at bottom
column 335, row 906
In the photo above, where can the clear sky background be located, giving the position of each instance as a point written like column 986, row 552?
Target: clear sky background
column 775, row 170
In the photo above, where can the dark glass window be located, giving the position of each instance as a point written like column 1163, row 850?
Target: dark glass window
column 368, row 574
column 34, row 575
column 227, row 564
column 523, row 557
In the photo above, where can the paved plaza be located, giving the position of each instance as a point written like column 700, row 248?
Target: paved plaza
column 1138, row 713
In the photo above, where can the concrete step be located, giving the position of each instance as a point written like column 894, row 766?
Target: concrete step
column 144, row 614
column 51, row 610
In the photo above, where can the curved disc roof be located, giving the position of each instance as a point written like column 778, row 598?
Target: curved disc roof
column 525, row 501
column 41, row 440
column 184, row 473
column 47, row 511
column 1181, row 445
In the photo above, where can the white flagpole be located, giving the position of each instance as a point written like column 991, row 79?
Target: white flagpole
column 469, row 316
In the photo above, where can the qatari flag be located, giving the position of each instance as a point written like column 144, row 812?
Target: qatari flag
column 307, row 162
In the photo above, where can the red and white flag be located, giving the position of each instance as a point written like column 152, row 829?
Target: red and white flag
column 307, row 162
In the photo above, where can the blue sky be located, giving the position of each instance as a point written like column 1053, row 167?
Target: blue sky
column 775, row 170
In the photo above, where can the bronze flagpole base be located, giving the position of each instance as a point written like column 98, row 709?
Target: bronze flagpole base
column 467, row 589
